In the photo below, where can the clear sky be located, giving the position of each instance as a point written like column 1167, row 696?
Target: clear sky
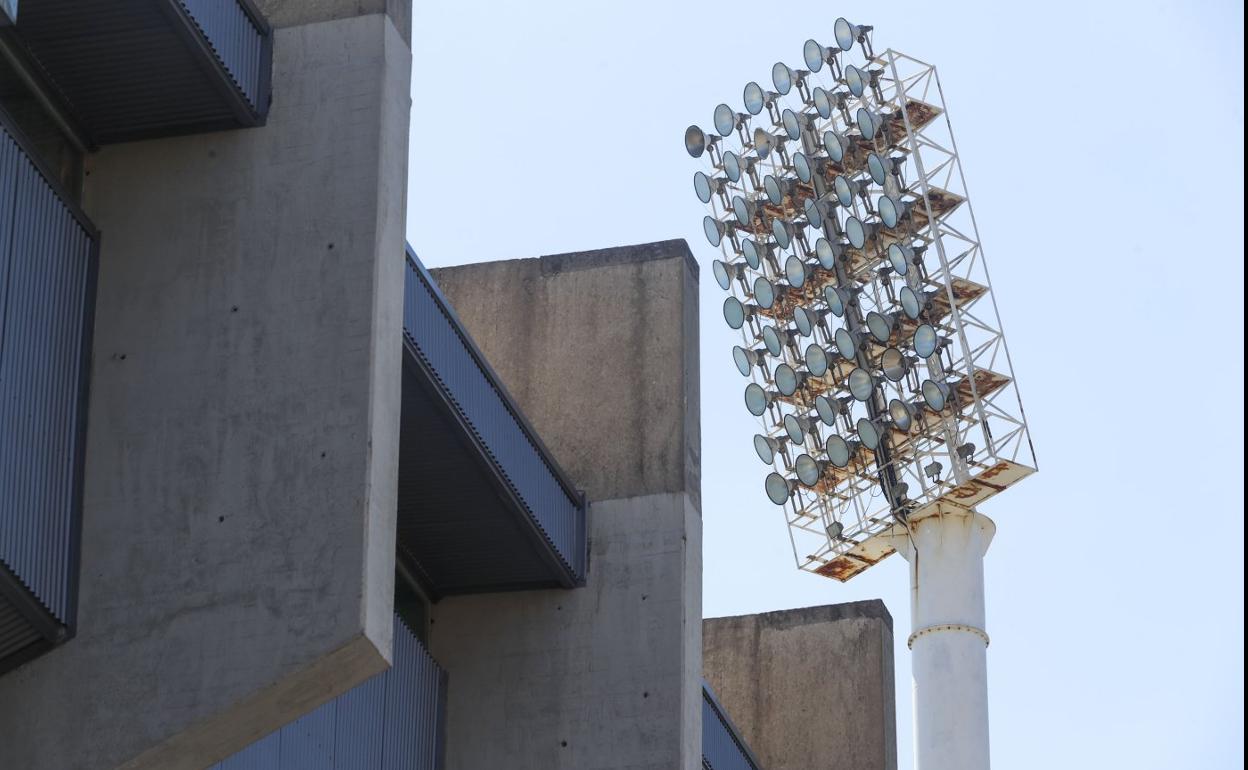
column 1103, row 148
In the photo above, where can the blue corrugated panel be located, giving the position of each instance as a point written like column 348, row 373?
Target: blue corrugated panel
column 432, row 328
column 722, row 746
column 394, row 721
column 47, row 258
column 236, row 39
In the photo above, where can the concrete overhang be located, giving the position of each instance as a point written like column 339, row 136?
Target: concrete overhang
column 482, row 504
column 121, row 70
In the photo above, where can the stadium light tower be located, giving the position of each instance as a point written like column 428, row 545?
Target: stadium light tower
column 879, row 371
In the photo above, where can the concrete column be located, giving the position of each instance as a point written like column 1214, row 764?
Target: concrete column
column 948, row 640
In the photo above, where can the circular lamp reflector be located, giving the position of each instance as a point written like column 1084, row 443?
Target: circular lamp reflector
column 880, row 326
column 772, row 188
column 772, row 341
column 827, row 409
column 743, row 359
column 742, row 209
column 899, row 411
column 725, row 120
column 792, row 126
column 695, row 141
column 891, row 210
column 763, row 142
column 861, row 384
column 844, row 191
column 856, row 79
column 781, row 77
column 868, row 122
column 795, row 271
column 734, row 312
column 777, row 487
column 782, row 231
column 816, row 360
column 732, row 166
column 764, row 292
column 910, row 304
column 793, row 428
column 856, row 232
column 801, row 164
column 825, row 252
column 756, row 399
column 925, row 341
column 722, row 276
column 834, row 143
column 869, row 434
column 807, row 469
column 877, row 169
column 754, row 98
column 702, row 186
column 813, row 54
column 893, row 364
column 804, row 319
column 935, row 394
column 765, row 448
column 786, row 380
column 835, row 300
column 714, row 230
column 845, row 33
column 845, row 344
column 750, row 249
column 812, row 213
column 823, row 102
column 840, row 451
column 899, row 257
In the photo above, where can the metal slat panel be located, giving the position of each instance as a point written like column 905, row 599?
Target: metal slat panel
column 46, row 267
column 235, row 39
column 554, row 508
column 16, row 634
column 722, row 747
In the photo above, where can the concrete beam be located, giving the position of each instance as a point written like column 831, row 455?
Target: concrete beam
column 239, row 504
column 810, row 687
column 600, row 349
column 294, row 13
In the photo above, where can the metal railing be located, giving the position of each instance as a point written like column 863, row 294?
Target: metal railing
column 554, row 505
column 722, row 746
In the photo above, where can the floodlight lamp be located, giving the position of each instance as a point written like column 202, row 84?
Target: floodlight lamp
column 778, row 488
column 763, row 142
column 816, row 360
column 815, row 55
column 925, row 341
column 774, row 340
column 935, row 394
column 840, row 452
column 894, row 365
column 725, row 119
column 795, row 271
column 732, row 166
column 835, row 529
column 911, row 305
column 901, row 414
column 752, row 250
column 704, row 186
column 797, row 427
column 824, row 102
column 735, row 312
column 828, row 409
column 900, row 493
column 837, row 299
column 806, row 320
column 827, row 252
column 966, row 452
column 900, row 257
column 746, row 360
column 766, row 447
column 892, row 210
column 725, row 272
column 792, row 124
column 881, row 167
column 782, row 231
column 881, row 325
column 774, row 189
column 757, row 400
column 859, row 233
column 713, row 229
column 754, row 98
column 765, row 292
column 787, row 379
column 846, row 345
column 857, row 79
column 869, row 123
column 933, row 471
column 846, row 189
column 868, row 434
column 813, row 215
column 782, row 77
column 695, row 141
column 861, row 384
column 744, row 210
column 835, row 145
column 801, row 164
column 846, row 33
column 808, row 469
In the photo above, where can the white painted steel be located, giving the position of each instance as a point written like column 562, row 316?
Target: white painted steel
column 948, row 640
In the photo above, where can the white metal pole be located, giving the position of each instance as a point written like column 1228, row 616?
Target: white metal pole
column 948, row 641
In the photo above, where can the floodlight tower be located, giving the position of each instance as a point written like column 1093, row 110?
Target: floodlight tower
column 879, row 370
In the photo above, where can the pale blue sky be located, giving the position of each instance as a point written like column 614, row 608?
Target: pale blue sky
column 1103, row 148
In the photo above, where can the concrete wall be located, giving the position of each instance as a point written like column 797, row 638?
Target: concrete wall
column 808, row 688
column 238, row 527
column 600, row 349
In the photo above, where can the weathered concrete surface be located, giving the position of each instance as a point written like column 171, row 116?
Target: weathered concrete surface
column 292, row 13
column 238, row 526
column 600, row 351
column 808, row 688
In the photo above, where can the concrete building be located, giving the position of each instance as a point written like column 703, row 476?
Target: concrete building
column 271, row 494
